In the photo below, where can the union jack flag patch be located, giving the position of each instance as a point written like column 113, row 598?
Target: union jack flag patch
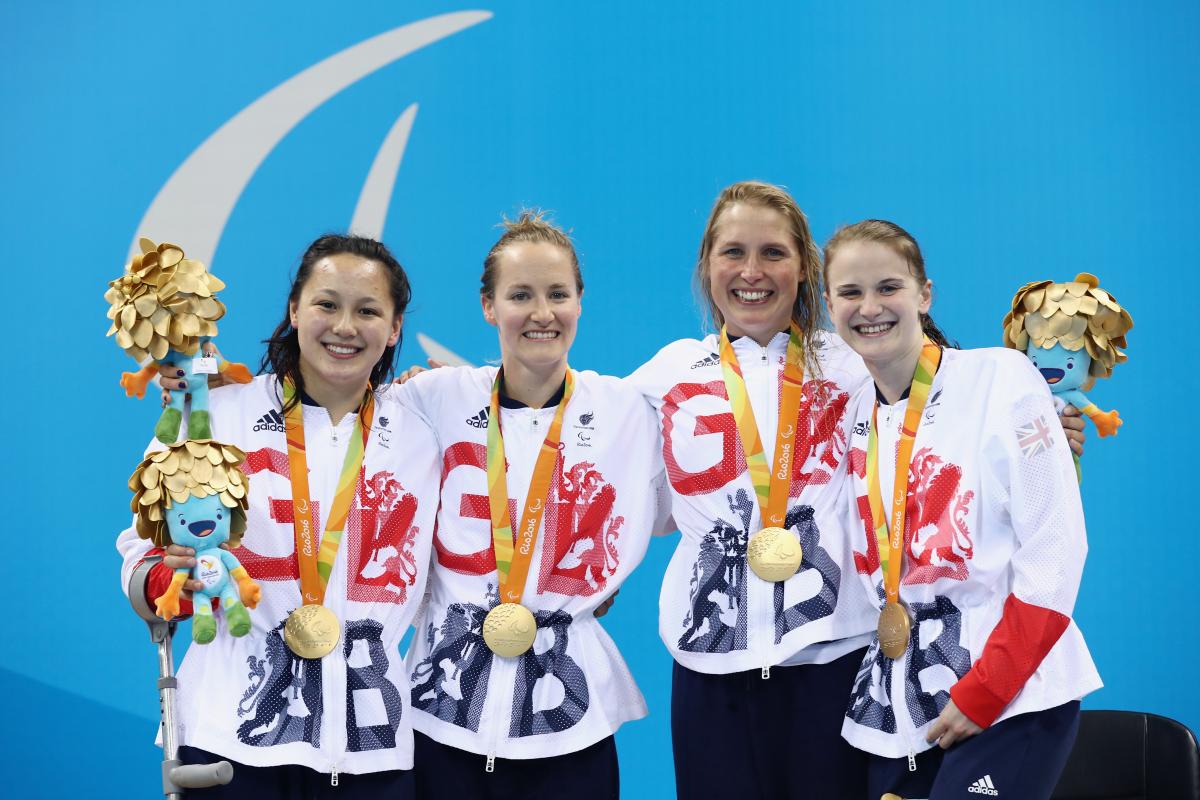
column 1034, row 437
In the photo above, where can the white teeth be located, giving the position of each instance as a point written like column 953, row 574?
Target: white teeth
column 540, row 334
column 880, row 328
column 341, row 351
column 751, row 296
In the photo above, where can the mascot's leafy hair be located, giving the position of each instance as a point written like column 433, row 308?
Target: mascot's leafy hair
column 1077, row 315
column 193, row 468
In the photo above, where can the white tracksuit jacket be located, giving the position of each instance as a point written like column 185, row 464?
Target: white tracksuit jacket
column 607, row 494
column 250, row 699
column 995, row 545
column 715, row 614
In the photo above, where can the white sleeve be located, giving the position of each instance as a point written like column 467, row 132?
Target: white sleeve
column 417, row 395
column 1031, row 461
column 132, row 549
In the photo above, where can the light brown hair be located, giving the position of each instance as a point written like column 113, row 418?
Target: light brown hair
column 899, row 241
column 806, row 311
column 530, row 225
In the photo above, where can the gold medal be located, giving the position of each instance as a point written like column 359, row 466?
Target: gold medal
column 774, row 554
column 895, row 628
column 509, row 629
column 312, row 631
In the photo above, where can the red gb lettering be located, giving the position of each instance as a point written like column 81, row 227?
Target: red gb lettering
column 732, row 462
column 470, row 506
column 272, row 568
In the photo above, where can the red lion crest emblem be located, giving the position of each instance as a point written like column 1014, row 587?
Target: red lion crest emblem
column 937, row 540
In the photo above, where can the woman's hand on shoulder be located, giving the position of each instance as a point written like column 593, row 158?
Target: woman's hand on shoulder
column 416, row 370
column 1072, row 425
column 951, row 726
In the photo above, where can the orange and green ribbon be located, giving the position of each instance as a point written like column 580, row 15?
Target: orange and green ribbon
column 918, row 394
column 514, row 553
column 316, row 565
column 771, row 488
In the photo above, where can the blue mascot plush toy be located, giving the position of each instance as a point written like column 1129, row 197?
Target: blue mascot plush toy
column 1074, row 333
column 164, row 310
column 194, row 494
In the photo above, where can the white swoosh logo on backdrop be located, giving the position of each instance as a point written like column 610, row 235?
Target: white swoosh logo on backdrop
column 376, row 195
column 196, row 201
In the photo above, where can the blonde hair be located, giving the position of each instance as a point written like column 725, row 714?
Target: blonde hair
column 192, row 468
column 531, row 225
column 902, row 243
column 806, row 311
column 1077, row 315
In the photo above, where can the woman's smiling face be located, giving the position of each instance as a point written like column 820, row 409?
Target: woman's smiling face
column 535, row 305
column 754, row 270
column 344, row 320
column 875, row 303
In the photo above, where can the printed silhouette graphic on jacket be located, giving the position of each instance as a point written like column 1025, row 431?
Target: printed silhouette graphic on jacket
column 451, row 682
column 716, row 621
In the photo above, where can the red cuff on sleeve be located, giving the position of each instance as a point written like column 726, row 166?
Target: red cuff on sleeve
column 1014, row 650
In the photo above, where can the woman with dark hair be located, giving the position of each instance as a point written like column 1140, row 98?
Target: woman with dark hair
column 328, row 452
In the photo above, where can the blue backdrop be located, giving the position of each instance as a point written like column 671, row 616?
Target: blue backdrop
column 1018, row 141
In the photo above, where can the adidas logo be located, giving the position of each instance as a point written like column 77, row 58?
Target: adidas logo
column 271, row 421
column 984, row 786
column 480, row 420
column 709, row 361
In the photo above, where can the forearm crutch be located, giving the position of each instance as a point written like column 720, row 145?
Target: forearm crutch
column 176, row 776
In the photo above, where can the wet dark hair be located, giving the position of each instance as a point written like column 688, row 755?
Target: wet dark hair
column 904, row 245
column 283, row 346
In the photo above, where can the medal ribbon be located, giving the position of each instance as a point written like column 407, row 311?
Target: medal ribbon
column 514, row 554
column 771, row 488
column 317, row 565
column 918, row 394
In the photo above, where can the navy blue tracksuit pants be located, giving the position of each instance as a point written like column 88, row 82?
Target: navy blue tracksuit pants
column 1021, row 758
column 294, row 782
column 447, row 773
column 740, row 737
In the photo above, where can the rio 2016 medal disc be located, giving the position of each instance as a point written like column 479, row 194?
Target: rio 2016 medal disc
column 895, row 628
column 312, row 631
column 509, row 629
column 774, row 554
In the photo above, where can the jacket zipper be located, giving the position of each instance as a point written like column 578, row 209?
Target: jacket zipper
column 501, row 678
column 336, row 667
column 764, row 614
column 903, row 720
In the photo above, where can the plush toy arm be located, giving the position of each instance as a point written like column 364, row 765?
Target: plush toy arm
column 1107, row 422
column 134, row 383
column 167, row 606
column 250, row 591
column 232, row 370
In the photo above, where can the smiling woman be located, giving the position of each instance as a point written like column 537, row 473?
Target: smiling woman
column 552, row 482
column 295, row 707
column 977, row 559
column 751, row 421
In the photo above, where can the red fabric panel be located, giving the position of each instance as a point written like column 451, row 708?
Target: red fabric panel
column 1014, row 650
